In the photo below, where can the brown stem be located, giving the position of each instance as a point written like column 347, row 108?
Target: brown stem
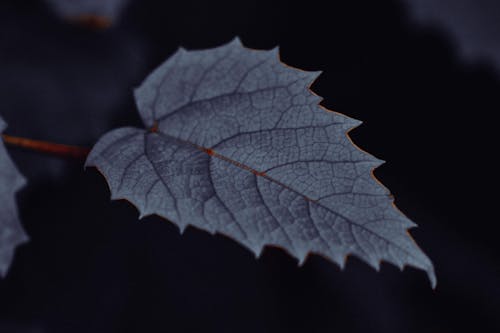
column 92, row 21
column 47, row 147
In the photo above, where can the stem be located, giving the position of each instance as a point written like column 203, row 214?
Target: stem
column 47, row 147
column 92, row 21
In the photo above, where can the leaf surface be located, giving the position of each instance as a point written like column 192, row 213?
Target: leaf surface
column 11, row 232
column 237, row 144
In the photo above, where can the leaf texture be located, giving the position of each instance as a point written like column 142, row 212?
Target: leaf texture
column 11, row 232
column 237, row 144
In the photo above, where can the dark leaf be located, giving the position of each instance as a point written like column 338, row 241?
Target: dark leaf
column 11, row 231
column 472, row 26
column 237, row 144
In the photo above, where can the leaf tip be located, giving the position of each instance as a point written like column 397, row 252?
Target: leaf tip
column 257, row 251
column 182, row 228
column 302, row 259
column 353, row 123
column 88, row 162
column 236, row 41
column 375, row 164
column 315, row 74
column 342, row 261
column 431, row 275
column 371, row 260
column 180, row 50
column 3, row 125
column 275, row 52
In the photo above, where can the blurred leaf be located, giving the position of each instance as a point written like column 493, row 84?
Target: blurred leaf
column 11, row 232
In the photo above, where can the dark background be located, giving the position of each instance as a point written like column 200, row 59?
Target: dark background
column 92, row 267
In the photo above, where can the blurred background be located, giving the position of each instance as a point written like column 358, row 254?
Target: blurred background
column 424, row 76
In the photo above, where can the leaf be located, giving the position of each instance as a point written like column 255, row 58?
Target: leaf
column 237, row 144
column 471, row 28
column 11, row 232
